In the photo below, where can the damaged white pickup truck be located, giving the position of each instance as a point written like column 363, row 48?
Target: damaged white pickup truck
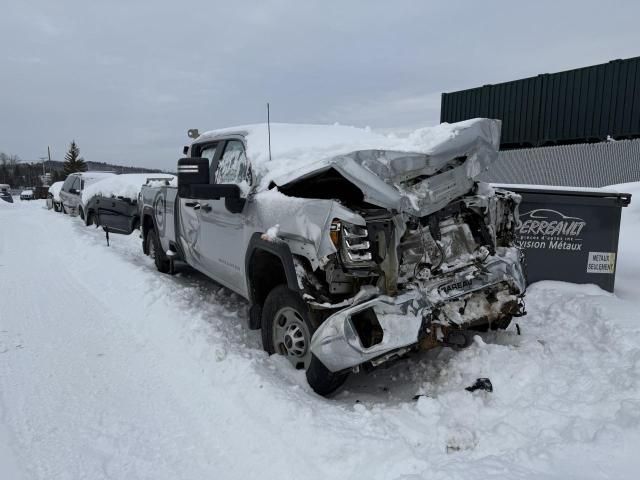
column 353, row 248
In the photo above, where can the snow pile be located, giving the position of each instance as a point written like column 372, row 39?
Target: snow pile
column 125, row 185
column 54, row 190
column 628, row 265
column 157, row 376
column 295, row 146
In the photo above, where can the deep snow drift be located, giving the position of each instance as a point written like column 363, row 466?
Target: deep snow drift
column 109, row 369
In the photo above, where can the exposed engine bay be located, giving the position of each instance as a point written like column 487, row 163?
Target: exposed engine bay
column 457, row 268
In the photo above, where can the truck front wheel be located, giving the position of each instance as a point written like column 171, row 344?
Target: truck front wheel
column 155, row 251
column 287, row 328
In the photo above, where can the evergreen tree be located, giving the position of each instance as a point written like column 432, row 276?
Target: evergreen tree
column 73, row 162
column 57, row 176
column 17, row 175
column 4, row 169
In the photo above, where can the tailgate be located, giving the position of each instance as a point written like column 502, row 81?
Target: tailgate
column 117, row 214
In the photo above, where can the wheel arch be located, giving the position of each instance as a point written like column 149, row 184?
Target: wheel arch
column 90, row 214
column 267, row 265
column 147, row 223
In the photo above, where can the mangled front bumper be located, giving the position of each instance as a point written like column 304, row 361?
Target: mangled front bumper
column 404, row 318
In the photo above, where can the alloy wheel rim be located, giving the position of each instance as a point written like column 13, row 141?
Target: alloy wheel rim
column 291, row 337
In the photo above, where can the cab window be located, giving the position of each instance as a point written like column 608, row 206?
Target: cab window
column 233, row 166
column 66, row 186
column 209, row 151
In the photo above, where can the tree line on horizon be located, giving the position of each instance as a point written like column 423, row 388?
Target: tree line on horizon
column 17, row 174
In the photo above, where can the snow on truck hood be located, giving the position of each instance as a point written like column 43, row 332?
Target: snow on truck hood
column 379, row 165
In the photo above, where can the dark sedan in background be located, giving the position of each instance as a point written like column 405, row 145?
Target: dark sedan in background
column 5, row 193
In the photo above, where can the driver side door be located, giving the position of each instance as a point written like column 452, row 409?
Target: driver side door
column 224, row 231
column 192, row 235
column 65, row 195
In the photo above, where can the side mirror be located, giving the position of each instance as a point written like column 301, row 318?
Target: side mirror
column 231, row 193
column 73, row 191
column 192, row 171
column 193, row 182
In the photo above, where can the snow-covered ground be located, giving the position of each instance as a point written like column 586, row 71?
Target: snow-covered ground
column 111, row 370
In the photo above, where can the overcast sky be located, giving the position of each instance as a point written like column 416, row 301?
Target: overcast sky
column 126, row 79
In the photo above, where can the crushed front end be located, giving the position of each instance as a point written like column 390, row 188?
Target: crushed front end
column 404, row 282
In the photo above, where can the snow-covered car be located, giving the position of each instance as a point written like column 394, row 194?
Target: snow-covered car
column 5, row 193
column 353, row 248
column 113, row 202
column 72, row 188
column 26, row 195
column 53, row 197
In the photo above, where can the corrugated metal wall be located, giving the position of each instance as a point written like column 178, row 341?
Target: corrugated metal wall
column 579, row 165
column 582, row 105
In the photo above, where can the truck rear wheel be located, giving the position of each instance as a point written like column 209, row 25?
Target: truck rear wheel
column 287, row 328
column 155, row 251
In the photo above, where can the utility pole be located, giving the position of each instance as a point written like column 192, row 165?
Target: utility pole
column 44, row 170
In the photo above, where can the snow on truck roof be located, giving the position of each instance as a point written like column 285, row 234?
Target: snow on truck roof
column 299, row 145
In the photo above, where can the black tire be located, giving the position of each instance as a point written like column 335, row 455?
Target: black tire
column 280, row 303
column 323, row 381
column 81, row 213
column 502, row 323
column 155, row 251
column 62, row 209
column 88, row 221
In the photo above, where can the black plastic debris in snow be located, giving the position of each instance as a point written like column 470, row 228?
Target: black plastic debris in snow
column 481, row 384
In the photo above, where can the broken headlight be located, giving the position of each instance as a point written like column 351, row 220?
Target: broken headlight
column 352, row 242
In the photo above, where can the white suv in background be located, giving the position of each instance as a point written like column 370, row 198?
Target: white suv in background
column 72, row 189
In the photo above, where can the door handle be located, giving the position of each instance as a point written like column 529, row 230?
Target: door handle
column 198, row 206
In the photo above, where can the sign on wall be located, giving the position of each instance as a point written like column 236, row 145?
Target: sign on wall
column 570, row 235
